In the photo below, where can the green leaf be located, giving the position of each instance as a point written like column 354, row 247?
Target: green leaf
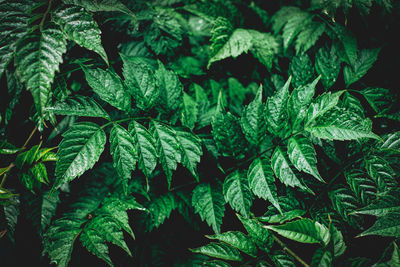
column 293, row 26
column 366, row 58
column 237, row 240
column 261, row 180
column 387, row 225
column 210, row 204
column 79, row 26
column 109, row 86
column 145, row 147
column 189, row 111
column 11, row 213
column 322, row 104
column 301, row 69
column 303, row 230
column 386, row 203
column 282, row 259
column 237, row 193
column 339, row 124
column 264, row 47
column 79, row 106
column 280, row 166
column 161, row 208
column 190, row 145
column 344, row 202
column 381, row 172
column 123, row 152
column 347, row 44
column 308, row 36
column 379, row 98
column 221, row 31
column 141, row 81
column 100, row 5
column 168, row 149
column 257, row 231
column 220, row 251
column 327, row 64
column 302, row 154
column 38, row 56
column 170, row 88
column 362, row 186
column 252, row 121
column 339, row 247
column 275, row 110
column 93, row 241
column 322, row 258
column 79, row 150
column 42, row 209
column 290, row 209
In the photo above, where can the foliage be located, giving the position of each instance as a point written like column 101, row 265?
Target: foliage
column 199, row 133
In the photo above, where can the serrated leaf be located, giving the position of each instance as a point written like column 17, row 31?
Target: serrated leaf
column 161, row 208
column 100, row 5
column 280, row 166
column 386, row 203
column 189, row 111
column 261, row 181
column 322, row 104
column 170, row 89
column 237, row 193
column 366, row 58
column 281, row 259
column 11, row 213
column 79, row 106
column 290, row 209
column 145, row 147
column 347, row 44
column 387, row 225
column 38, row 56
column 344, row 202
column 209, row 202
column 220, row 251
column 79, row 26
column 362, row 186
column 237, row 240
column 275, row 110
column 168, row 149
column 339, row 124
column 381, row 172
column 301, row 69
column 109, row 86
column 302, row 154
column 264, row 47
column 93, row 242
column 303, row 230
column 252, row 121
column 339, row 247
column 190, row 145
column 141, row 82
column 293, row 26
column 123, row 152
column 327, row 64
column 257, row 231
column 379, row 98
column 79, row 150
column 322, row 258
column 308, row 36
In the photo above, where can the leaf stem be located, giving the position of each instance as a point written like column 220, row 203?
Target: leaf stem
column 29, row 138
column 45, row 14
column 288, row 250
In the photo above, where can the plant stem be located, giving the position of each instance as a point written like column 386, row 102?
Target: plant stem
column 288, row 250
column 45, row 14
column 29, row 138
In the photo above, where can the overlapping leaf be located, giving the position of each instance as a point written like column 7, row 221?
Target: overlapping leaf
column 220, row 251
column 237, row 193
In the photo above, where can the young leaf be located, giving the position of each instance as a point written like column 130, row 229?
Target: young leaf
column 261, row 180
column 237, row 193
column 79, row 106
column 359, row 68
column 237, row 240
column 189, row 111
column 302, row 154
column 210, row 204
column 109, row 86
column 327, row 64
column 168, row 149
column 388, row 225
column 190, row 145
column 141, row 81
column 252, row 121
column 220, row 251
column 123, row 152
column 303, row 230
column 37, row 58
column 79, row 26
column 79, row 150
column 145, row 147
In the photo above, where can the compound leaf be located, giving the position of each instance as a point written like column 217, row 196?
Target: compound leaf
column 237, row 193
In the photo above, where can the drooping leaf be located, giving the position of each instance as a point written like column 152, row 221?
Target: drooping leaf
column 220, row 251
column 379, row 98
column 190, row 145
column 303, row 230
column 293, row 26
column 123, row 152
column 237, row 193
column 302, row 154
column 79, row 106
column 79, row 150
column 264, row 47
column 237, row 240
column 145, row 147
column 79, row 26
column 387, row 225
column 38, row 56
column 209, row 202
column 189, row 111
column 93, row 241
column 109, row 86
column 327, row 64
column 308, row 36
column 366, row 58
column 261, row 181
column 11, row 213
column 167, row 145
column 161, row 208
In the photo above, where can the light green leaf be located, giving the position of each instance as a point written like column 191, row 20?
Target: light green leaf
column 302, row 154
column 322, row 258
column 366, row 58
column 145, row 147
column 79, row 106
column 79, row 26
column 293, row 26
column 252, row 121
column 257, row 231
column 37, row 58
column 322, row 104
column 388, row 225
column 210, row 204
column 264, row 47
column 237, row 240
column 261, row 180
column 189, row 111
column 141, row 81
column 123, row 152
column 327, row 64
column 301, row 69
column 109, row 86
column 237, row 193
column 190, row 145
column 220, row 251
column 79, row 150
column 167, row 145
column 303, row 230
